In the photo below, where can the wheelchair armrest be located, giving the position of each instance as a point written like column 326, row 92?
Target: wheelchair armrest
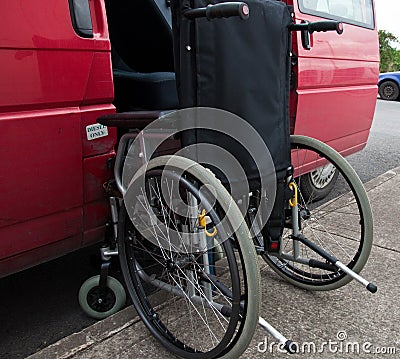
column 130, row 120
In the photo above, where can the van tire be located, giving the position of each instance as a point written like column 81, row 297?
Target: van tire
column 313, row 192
column 389, row 90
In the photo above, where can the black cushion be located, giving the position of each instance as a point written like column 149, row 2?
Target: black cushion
column 151, row 91
column 142, row 57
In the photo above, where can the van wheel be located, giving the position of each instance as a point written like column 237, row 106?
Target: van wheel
column 100, row 303
column 389, row 90
column 317, row 184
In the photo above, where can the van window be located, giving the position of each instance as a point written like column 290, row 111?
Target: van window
column 356, row 12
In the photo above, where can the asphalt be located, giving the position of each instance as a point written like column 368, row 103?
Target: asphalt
column 348, row 322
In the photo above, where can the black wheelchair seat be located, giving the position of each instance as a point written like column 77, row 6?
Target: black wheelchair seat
column 141, row 90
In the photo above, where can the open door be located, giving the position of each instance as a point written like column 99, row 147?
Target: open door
column 335, row 77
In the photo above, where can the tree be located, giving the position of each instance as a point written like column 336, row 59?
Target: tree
column 390, row 56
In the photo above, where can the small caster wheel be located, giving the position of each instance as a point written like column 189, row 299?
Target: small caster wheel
column 99, row 303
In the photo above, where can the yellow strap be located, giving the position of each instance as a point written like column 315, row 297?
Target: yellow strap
column 202, row 219
column 293, row 201
column 203, row 223
column 212, row 234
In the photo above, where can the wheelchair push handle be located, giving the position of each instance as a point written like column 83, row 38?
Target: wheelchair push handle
column 226, row 9
column 326, row 26
column 318, row 26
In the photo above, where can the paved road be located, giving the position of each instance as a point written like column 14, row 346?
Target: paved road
column 39, row 306
column 382, row 152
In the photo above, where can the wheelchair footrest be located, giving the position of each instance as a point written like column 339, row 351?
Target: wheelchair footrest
column 336, row 263
column 290, row 346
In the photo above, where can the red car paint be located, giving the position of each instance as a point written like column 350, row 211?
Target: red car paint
column 55, row 83
column 335, row 93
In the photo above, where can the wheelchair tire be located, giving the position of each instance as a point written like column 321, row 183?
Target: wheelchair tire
column 342, row 225
column 100, row 303
column 184, row 310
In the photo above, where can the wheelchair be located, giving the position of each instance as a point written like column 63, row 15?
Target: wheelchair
column 188, row 227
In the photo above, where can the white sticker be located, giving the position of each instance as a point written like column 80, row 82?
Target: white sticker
column 96, row 131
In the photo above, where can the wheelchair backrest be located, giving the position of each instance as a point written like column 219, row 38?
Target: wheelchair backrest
column 239, row 66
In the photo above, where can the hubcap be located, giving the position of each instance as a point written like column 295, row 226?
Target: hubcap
column 388, row 91
column 101, row 299
column 322, row 176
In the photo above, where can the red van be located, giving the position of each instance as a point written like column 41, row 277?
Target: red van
column 64, row 63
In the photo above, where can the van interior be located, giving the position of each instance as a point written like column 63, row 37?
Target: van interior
column 142, row 55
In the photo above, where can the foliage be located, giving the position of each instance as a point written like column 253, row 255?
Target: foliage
column 390, row 55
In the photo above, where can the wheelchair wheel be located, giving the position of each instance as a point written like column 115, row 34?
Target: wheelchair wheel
column 198, row 293
column 100, row 303
column 341, row 223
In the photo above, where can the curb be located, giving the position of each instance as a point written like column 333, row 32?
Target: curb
column 384, row 177
column 90, row 336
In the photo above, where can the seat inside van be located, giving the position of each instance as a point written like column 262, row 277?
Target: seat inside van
column 142, row 54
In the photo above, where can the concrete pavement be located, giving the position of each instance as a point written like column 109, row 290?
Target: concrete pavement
column 346, row 323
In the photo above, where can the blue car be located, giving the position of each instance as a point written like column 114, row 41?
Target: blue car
column 389, row 85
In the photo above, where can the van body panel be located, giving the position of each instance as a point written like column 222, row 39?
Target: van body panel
column 41, row 231
column 100, row 87
column 351, row 98
column 54, row 84
column 42, row 79
column 40, row 255
column 336, row 84
column 41, row 154
column 94, row 171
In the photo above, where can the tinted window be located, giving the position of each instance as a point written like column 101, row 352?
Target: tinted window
column 357, row 12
